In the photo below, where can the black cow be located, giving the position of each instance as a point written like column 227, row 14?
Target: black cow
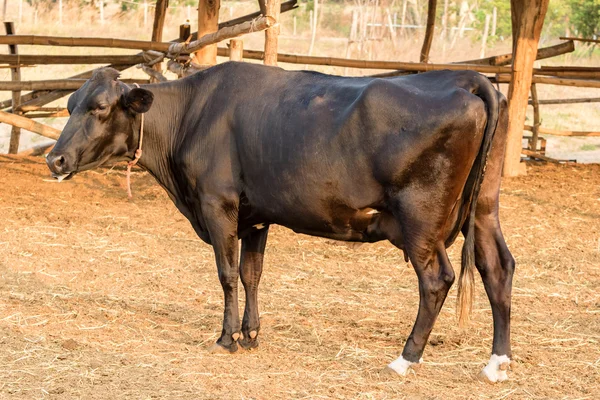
column 239, row 147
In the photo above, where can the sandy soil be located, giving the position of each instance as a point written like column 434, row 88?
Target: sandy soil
column 105, row 297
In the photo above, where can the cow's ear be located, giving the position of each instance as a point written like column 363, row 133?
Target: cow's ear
column 138, row 100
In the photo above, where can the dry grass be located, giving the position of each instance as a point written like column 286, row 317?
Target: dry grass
column 104, row 297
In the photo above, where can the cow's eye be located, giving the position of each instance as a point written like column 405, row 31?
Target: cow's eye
column 100, row 109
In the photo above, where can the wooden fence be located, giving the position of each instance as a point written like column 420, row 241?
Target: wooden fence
column 22, row 108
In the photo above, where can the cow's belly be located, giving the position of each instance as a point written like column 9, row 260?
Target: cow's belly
column 341, row 222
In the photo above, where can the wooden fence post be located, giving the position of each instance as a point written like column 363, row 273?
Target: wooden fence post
column 185, row 30
column 527, row 22
column 429, row 31
column 208, row 22
column 157, row 28
column 15, row 72
column 536, row 118
column 236, row 50
column 273, row 8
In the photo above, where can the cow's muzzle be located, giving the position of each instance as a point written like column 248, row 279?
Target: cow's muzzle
column 58, row 165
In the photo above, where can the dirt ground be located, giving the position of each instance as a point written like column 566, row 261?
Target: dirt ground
column 104, row 297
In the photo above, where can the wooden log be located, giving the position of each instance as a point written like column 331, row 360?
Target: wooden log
column 569, row 68
column 554, row 132
column 533, row 154
column 504, row 78
column 429, row 31
column 62, row 84
column 67, row 59
column 536, row 117
column 36, row 108
column 208, row 24
column 580, row 39
column 568, row 74
column 236, row 50
column 15, row 74
column 543, row 53
column 568, row 101
column 55, row 114
column 160, row 12
column 259, row 24
column 26, row 123
column 84, row 42
column 272, row 33
column 527, row 22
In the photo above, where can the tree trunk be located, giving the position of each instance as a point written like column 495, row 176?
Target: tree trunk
column 527, row 22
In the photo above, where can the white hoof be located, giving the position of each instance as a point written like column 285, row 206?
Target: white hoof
column 401, row 366
column 496, row 369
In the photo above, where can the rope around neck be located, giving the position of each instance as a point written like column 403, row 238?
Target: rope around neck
column 138, row 155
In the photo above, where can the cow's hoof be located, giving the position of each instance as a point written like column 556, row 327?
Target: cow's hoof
column 401, row 367
column 248, row 343
column 496, row 369
column 218, row 348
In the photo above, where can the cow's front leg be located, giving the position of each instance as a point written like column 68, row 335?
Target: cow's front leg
column 251, row 263
column 221, row 220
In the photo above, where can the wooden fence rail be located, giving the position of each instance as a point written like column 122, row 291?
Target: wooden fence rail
column 30, row 125
column 258, row 24
column 53, row 84
column 505, row 78
column 543, row 53
column 555, row 132
column 568, row 101
column 30, row 59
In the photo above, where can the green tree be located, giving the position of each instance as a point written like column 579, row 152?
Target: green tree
column 503, row 19
column 585, row 16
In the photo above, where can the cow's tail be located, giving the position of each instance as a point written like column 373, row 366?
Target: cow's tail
column 489, row 95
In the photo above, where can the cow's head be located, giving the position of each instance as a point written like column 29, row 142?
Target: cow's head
column 103, row 124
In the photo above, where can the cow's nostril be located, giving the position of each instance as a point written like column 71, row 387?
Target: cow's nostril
column 59, row 161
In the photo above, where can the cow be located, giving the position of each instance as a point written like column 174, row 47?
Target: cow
column 414, row 160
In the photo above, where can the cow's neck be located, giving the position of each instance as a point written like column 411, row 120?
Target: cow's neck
column 161, row 124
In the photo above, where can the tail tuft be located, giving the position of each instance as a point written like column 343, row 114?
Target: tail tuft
column 466, row 282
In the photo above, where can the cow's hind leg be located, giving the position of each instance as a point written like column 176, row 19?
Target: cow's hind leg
column 221, row 220
column 251, row 263
column 436, row 276
column 496, row 266
column 492, row 257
